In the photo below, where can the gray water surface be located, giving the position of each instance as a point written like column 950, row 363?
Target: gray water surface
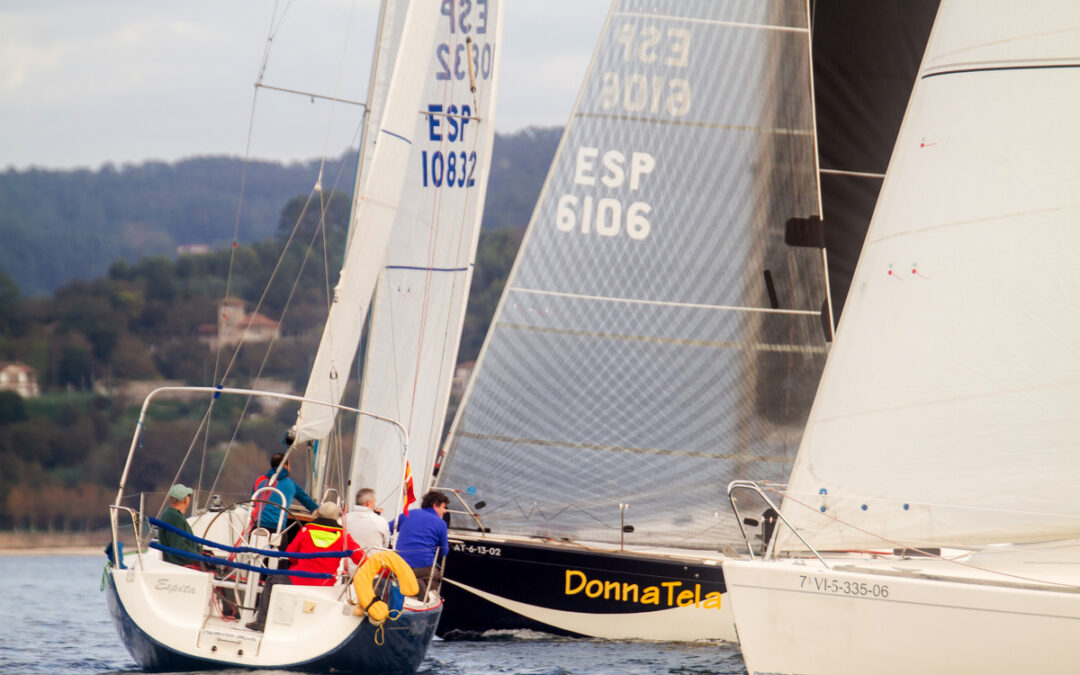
column 53, row 619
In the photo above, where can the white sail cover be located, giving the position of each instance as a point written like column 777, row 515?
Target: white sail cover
column 635, row 357
column 419, row 303
column 372, row 218
column 949, row 412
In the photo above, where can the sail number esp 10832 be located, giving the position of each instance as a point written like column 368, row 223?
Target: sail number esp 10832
column 466, row 17
column 452, row 168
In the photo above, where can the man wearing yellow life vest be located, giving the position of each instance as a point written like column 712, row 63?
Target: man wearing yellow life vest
column 321, row 535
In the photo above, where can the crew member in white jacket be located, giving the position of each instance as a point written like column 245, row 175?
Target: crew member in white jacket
column 364, row 523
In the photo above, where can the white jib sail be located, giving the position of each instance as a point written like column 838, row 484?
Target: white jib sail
column 419, row 303
column 372, row 219
column 948, row 411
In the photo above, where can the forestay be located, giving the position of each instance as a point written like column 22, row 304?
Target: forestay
column 419, row 303
column 947, row 414
column 635, row 356
column 370, row 224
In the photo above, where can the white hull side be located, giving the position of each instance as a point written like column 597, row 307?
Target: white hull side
column 798, row 617
column 171, row 604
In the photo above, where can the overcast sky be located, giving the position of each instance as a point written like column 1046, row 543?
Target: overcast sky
column 83, row 83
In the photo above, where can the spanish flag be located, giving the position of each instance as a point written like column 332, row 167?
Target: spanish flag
column 410, row 496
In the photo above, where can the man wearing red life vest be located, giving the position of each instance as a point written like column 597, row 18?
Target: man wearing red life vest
column 321, row 535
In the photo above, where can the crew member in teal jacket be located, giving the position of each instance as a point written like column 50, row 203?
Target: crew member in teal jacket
column 289, row 488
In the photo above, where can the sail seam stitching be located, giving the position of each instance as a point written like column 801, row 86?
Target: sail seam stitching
column 624, row 448
column 779, row 131
column 715, row 22
column 667, row 303
column 754, row 346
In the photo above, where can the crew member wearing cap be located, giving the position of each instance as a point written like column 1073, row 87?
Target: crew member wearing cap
column 321, row 535
column 179, row 499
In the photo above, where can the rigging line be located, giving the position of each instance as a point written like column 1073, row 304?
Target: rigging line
column 309, row 94
column 266, row 357
column 324, row 204
column 753, row 346
column 779, row 131
column 930, row 554
column 739, row 457
column 204, row 424
column 263, row 63
column 285, row 307
column 714, row 22
column 666, row 303
column 535, row 508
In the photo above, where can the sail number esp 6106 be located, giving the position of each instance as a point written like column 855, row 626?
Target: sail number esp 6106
column 607, row 216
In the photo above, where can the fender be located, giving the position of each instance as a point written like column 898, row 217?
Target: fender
column 364, row 581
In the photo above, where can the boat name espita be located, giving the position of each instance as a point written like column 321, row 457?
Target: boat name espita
column 621, row 591
column 165, row 585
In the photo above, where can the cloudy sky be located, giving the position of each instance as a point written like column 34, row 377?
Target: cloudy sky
column 83, row 83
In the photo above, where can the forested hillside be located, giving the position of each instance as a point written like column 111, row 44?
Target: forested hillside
column 146, row 319
column 56, row 226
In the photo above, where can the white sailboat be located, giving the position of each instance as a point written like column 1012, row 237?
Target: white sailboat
column 657, row 336
column 934, row 481
column 399, row 195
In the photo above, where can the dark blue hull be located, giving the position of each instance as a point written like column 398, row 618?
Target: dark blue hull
column 403, row 647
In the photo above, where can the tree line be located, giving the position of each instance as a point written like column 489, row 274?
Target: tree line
column 63, row 451
column 63, row 225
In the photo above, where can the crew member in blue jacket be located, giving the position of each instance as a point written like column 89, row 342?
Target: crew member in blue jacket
column 289, row 488
column 422, row 538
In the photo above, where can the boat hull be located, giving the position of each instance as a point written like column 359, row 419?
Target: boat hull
column 404, row 644
column 496, row 584
column 798, row 617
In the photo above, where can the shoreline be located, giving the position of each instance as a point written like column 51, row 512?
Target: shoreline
column 28, row 543
column 53, row 551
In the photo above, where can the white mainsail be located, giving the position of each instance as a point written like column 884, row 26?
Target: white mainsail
column 371, row 222
column 635, row 356
column 947, row 413
column 419, row 304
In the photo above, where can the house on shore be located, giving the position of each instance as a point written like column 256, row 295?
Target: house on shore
column 235, row 324
column 19, row 378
